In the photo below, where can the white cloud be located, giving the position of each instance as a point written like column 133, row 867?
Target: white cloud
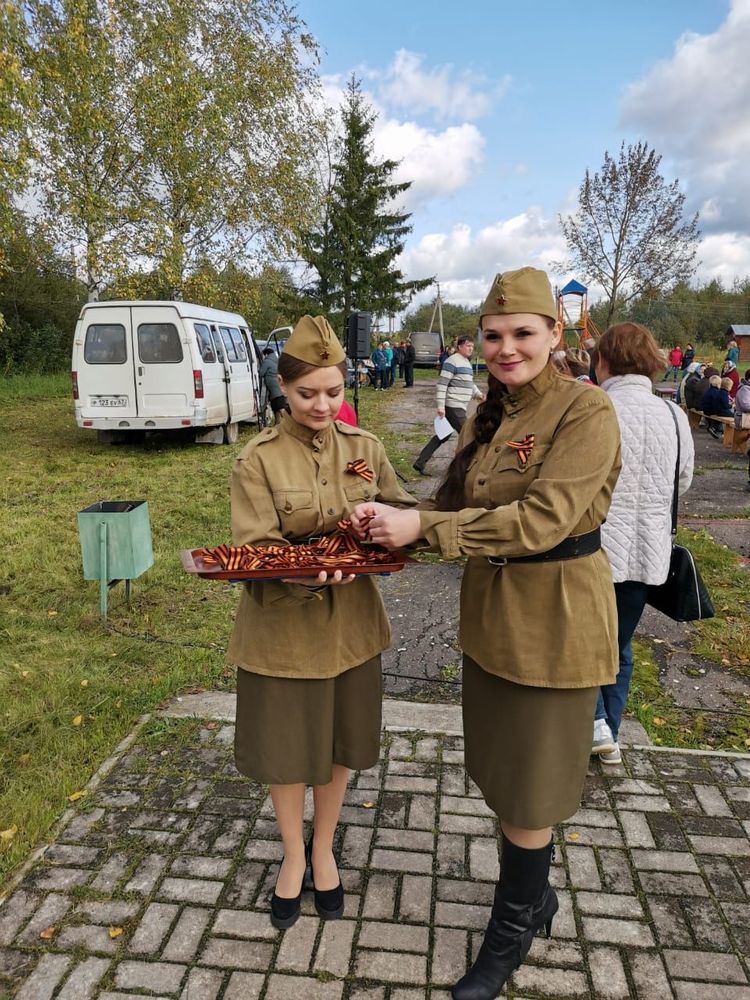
column 406, row 83
column 694, row 108
column 465, row 262
column 724, row 256
column 438, row 162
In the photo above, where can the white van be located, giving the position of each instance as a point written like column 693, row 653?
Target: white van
column 140, row 366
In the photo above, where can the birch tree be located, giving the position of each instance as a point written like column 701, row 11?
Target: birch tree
column 629, row 232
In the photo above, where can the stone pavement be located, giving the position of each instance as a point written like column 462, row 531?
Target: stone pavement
column 159, row 884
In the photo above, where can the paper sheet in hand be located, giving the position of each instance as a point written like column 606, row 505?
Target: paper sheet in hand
column 443, row 428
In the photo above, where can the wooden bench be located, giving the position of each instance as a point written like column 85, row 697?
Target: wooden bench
column 734, row 440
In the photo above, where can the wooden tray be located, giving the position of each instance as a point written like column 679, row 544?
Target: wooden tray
column 192, row 562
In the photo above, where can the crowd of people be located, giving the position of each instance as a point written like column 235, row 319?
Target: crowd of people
column 543, row 523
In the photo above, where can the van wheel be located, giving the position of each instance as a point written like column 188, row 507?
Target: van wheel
column 231, row 433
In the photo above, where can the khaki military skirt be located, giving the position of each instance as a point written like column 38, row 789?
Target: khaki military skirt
column 292, row 730
column 527, row 748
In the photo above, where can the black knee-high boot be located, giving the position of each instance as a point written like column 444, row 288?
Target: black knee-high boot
column 524, row 902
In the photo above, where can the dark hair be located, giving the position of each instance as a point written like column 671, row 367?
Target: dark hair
column 267, row 351
column 747, row 375
column 464, row 340
column 630, row 349
column 292, row 369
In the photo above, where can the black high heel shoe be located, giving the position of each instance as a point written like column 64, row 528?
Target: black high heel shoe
column 329, row 903
column 284, row 910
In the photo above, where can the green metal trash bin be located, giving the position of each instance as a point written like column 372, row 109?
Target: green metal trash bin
column 115, row 543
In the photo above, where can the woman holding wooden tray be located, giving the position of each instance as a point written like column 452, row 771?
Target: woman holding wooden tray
column 524, row 499
column 309, row 681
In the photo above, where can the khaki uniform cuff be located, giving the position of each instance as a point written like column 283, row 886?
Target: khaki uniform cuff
column 440, row 528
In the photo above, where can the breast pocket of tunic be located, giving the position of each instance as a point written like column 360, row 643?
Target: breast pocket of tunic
column 511, row 477
column 296, row 512
column 360, row 492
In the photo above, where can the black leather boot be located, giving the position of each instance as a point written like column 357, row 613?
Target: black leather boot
column 524, row 902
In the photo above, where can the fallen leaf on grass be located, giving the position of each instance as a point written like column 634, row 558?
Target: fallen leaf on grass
column 76, row 796
column 48, row 933
column 725, row 661
column 9, row 834
column 659, row 722
column 25, row 673
column 52, row 614
column 747, row 743
column 24, row 759
column 574, row 836
column 209, row 725
column 84, row 683
column 115, row 932
column 76, row 720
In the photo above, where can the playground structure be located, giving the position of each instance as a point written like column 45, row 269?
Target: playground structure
column 578, row 328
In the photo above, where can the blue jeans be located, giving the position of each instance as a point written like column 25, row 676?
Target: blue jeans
column 631, row 600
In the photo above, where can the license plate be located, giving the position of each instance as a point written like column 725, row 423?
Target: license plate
column 109, row 400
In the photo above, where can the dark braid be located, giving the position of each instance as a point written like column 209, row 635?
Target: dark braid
column 451, row 493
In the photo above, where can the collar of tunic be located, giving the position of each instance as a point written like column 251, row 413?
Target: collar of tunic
column 526, row 394
column 312, row 438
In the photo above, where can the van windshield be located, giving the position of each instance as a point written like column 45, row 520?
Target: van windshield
column 105, row 344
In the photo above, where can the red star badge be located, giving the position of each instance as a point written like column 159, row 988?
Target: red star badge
column 501, row 300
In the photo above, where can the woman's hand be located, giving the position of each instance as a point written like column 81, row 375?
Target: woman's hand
column 395, row 528
column 323, row 579
column 363, row 514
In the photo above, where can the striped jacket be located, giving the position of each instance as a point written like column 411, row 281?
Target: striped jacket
column 455, row 386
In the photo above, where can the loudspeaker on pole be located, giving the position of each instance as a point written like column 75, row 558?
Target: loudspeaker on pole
column 358, row 335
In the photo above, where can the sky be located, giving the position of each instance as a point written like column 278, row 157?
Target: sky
column 495, row 110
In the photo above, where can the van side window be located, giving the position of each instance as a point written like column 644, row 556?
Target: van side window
column 159, row 344
column 217, row 344
column 228, row 343
column 105, row 344
column 239, row 345
column 208, row 354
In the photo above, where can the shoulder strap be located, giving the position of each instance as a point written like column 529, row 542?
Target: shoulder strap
column 675, row 493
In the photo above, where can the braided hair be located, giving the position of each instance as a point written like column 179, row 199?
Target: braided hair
column 450, row 494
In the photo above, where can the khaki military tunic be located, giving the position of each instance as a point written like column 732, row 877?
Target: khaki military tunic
column 289, row 483
column 542, row 624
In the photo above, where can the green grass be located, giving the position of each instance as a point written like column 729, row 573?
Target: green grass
column 669, row 725
column 724, row 639
column 58, row 662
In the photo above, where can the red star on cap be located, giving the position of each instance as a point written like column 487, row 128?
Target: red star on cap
column 324, row 355
column 501, row 300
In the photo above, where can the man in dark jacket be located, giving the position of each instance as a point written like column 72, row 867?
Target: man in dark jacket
column 695, row 388
column 268, row 373
column 410, row 356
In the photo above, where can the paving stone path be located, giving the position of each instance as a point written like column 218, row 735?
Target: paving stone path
column 159, row 885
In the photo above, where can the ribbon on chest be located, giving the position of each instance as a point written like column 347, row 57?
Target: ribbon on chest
column 359, row 468
column 523, row 449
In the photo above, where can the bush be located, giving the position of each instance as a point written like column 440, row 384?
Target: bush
column 40, row 351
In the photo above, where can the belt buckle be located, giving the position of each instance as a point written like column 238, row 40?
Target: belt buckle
column 497, row 560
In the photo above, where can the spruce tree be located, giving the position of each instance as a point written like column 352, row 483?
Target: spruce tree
column 361, row 231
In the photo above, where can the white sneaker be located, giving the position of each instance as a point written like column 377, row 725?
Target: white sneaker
column 613, row 757
column 603, row 741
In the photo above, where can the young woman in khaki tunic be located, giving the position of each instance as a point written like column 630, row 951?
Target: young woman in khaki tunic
column 524, row 499
column 309, row 683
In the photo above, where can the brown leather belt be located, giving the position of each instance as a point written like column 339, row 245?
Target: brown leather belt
column 573, row 547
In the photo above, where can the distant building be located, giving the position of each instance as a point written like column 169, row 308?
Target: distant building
column 741, row 333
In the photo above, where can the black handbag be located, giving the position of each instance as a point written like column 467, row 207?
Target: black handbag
column 683, row 595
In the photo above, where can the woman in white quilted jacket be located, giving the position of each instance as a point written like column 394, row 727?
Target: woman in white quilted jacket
column 637, row 533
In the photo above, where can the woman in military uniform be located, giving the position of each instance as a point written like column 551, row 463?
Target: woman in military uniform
column 309, row 678
column 524, row 499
